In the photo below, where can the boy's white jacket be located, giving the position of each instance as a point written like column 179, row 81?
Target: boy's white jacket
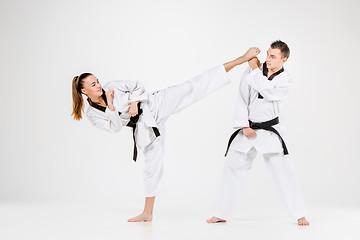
column 125, row 92
column 250, row 107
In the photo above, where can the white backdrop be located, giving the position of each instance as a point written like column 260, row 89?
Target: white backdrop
column 47, row 156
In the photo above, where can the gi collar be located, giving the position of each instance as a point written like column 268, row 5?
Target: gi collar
column 97, row 106
column 266, row 70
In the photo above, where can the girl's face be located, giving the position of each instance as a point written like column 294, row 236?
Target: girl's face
column 92, row 88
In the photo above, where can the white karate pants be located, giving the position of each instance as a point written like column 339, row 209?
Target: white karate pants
column 236, row 169
column 166, row 102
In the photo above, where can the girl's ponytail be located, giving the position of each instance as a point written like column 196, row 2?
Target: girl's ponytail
column 78, row 101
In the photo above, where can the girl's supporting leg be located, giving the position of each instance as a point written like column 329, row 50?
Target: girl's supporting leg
column 153, row 174
column 146, row 215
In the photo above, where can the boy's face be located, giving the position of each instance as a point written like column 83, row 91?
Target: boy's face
column 274, row 59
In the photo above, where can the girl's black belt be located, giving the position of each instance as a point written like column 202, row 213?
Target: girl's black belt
column 132, row 124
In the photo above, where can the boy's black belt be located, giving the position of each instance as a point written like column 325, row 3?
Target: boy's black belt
column 263, row 125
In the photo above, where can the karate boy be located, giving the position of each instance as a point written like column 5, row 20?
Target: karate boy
column 263, row 87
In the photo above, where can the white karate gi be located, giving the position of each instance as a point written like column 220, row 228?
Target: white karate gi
column 243, row 150
column 157, row 107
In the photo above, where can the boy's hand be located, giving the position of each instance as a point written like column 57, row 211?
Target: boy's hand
column 254, row 63
column 249, row 132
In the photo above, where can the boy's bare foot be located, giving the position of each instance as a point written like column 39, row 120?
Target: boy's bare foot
column 144, row 217
column 215, row 220
column 303, row 222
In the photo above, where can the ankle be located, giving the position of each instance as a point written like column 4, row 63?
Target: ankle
column 147, row 212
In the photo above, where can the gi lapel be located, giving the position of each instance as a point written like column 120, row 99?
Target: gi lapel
column 97, row 106
column 265, row 73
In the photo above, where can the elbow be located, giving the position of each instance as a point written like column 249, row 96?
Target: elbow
column 274, row 97
column 271, row 96
column 275, row 94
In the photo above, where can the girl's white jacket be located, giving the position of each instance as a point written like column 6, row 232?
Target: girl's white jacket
column 125, row 92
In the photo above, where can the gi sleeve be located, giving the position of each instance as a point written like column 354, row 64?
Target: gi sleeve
column 112, row 122
column 241, row 118
column 135, row 89
column 275, row 90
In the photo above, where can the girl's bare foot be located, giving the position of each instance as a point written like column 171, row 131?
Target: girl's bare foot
column 215, row 220
column 303, row 222
column 144, row 217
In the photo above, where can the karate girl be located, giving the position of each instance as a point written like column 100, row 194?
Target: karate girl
column 126, row 103
column 258, row 130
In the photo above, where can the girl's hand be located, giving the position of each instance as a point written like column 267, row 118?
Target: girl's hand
column 109, row 96
column 133, row 109
column 251, row 53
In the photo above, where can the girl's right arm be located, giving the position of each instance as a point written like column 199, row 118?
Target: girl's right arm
column 112, row 122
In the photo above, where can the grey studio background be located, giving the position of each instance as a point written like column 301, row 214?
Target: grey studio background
column 48, row 158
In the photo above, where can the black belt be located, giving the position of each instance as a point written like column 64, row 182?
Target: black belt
column 132, row 124
column 263, row 125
